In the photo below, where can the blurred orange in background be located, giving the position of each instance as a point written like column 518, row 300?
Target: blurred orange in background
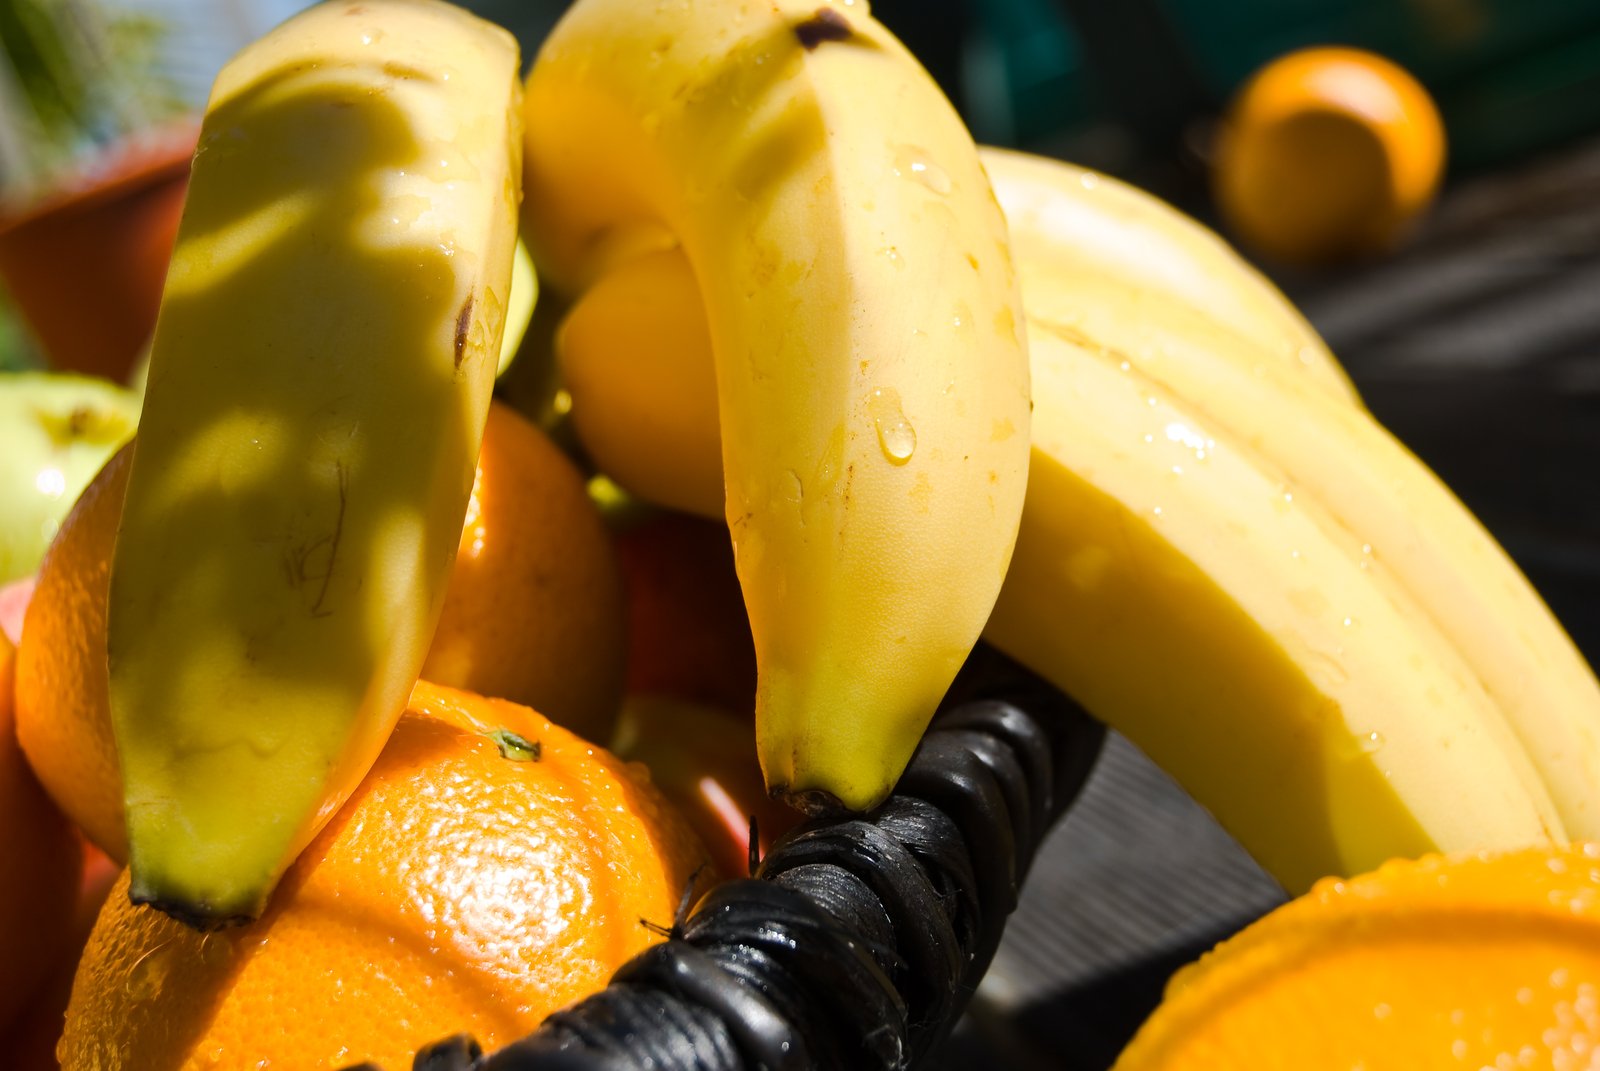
column 1328, row 153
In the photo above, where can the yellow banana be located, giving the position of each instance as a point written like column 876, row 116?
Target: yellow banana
column 319, row 380
column 1240, row 569
column 644, row 413
column 854, row 276
column 1072, row 225
column 1407, row 523
column 1191, row 595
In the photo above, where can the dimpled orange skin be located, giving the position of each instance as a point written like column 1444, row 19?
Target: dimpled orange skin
column 457, row 890
column 533, row 613
column 1328, row 153
column 41, row 859
column 1469, row 962
column 63, row 706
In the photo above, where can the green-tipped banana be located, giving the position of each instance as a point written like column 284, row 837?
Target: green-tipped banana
column 871, row 374
column 1225, row 558
column 319, row 381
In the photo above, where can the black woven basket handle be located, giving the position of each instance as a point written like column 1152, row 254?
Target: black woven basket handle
column 858, row 941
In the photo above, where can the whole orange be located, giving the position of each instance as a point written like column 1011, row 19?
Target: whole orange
column 533, row 613
column 41, row 858
column 63, row 712
column 1328, row 153
column 534, row 610
column 491, row 869
column 1468, row 961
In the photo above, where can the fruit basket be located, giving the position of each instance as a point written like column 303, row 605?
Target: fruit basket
column 1429, row 399
column 974, row 431
column 855, row 943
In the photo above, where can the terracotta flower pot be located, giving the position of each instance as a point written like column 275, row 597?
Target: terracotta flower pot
column 85, row 262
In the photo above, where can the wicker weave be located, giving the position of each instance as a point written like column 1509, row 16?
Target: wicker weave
column 858, row 940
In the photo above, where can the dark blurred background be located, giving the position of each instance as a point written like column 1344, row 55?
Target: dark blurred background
column 1477, row 341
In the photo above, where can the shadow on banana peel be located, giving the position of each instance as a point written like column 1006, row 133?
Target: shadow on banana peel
column 239, row 270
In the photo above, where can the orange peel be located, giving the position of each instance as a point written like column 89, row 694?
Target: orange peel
column 1328, row 153
column 1467, row 961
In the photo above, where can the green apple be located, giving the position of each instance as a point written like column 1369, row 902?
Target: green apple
column 56, row 430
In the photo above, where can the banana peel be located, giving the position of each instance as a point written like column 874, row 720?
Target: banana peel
column 318, row 385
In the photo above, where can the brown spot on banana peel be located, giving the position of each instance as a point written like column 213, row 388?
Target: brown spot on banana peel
column 826, row 25
column 405, row 72
column 463, row 324
column 812, row 802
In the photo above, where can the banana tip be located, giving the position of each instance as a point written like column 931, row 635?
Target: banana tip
column 200, row 916
column 812, row 802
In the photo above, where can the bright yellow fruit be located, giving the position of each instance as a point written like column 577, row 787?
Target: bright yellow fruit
column 319, row 380
column 854, row 274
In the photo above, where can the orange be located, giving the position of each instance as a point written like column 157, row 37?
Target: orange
column 533, row 613
column 1326, row 153
column 63, row 717
column 1465, row 962
column 491, row 869
column 40, row 858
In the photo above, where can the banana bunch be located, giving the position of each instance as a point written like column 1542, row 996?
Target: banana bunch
column 839, row 254
column 1074, row 227
column 318, row 386
column 1221, row 553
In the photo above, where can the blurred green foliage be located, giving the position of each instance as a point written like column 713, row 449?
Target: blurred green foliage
column 77, row 76
column 17, row 351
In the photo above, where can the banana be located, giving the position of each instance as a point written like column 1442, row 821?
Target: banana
column 853, row 274
column 1190, row 594
column 1239, row 568
column 1069, row 225
column 1408, row 524
column 319, row 382
column 645, row 415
